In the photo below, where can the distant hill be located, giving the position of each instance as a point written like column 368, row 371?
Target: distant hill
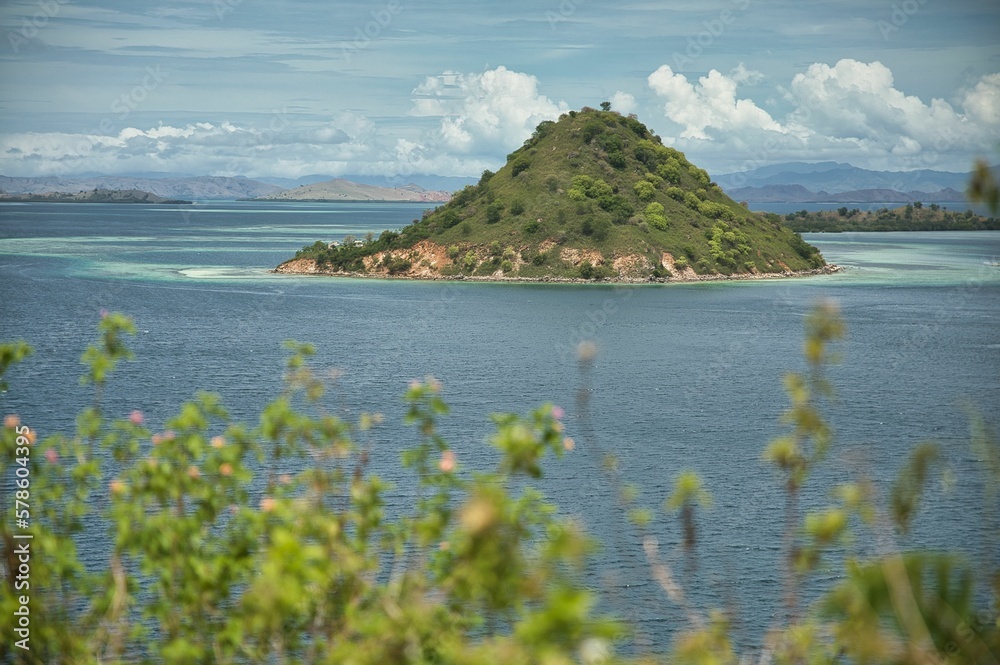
column 199, row 187
column 433, row 182
column 426, row 181
column 345, row 190
column 837, row 178
column 595, row 195
column 93, row 196
column 799, row 194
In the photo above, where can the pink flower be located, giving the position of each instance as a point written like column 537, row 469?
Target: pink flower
column 51, row 456
column 218, row 442
column 11, row 421
column 135, row 417
column 193, row 472
column 267, row 504
column 447, row 463
column 117, row 487
column 166, row 436
column 226, row 469
column 104, row 313
column 569, row 443
column 558, row 413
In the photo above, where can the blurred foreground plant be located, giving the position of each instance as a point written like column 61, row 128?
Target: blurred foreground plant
column 310, row 572
column 303, row 565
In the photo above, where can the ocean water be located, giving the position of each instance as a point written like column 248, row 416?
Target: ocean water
column 687, row 376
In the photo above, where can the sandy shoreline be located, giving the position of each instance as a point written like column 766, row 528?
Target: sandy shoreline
column 825, row 270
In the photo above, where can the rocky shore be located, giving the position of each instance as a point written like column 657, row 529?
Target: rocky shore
column 309, row 267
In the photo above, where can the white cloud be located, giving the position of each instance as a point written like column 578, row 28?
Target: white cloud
column 460, row 124
column 350, row 143
column 222, row 149
column 856, row 100
column 743, row 75
column 623, row 102
column 850, row 111
column 484, row 114
column 711, row 105
column 982, row 103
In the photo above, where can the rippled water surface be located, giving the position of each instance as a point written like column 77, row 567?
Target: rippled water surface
column 687, row 376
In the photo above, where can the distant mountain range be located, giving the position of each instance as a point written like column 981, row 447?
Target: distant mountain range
column 93, row 196
column 834, row 182
column 345, row 190
column 199, row 187
column 792, row 182
column 799, row 194
column 429, row 182
column 317, row 187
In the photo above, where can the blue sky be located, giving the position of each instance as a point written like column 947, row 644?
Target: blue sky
column 294, row 87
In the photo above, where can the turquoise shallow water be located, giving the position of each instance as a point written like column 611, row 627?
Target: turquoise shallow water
column 913, row 259
column 687, row 376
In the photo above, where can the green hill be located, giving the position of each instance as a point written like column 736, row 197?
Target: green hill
column 595, row 195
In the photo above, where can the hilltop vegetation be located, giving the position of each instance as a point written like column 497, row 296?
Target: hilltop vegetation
column 593, row 195
column 911, row 217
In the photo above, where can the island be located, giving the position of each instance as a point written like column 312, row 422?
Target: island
column 92, row 196
column 911, row 217
column 593, row 196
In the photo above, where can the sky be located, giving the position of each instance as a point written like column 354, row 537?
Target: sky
column 289, row 88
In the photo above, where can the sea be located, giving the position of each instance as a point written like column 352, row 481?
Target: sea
column 686, row 377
